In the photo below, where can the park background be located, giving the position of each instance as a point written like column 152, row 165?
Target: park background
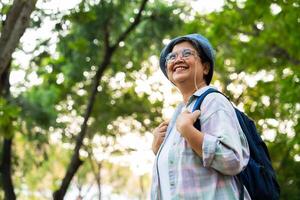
column 81, row 89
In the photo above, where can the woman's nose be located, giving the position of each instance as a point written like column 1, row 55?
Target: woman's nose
column 178, row 59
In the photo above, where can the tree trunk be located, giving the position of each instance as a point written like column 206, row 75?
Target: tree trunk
column 76, row 162
column 98, row 179
column 5, row 163
column 6, row 170
column 16, row 22
column 96, row 171
column 14, row 27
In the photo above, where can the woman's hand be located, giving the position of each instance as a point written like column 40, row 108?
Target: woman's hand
column 159, row 135
column 185, row 121
column 185, row 126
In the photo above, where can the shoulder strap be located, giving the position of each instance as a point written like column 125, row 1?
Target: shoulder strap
column 198, row 103
column 202, row 96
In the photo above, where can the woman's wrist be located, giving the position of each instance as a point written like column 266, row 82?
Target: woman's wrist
column 194, row 137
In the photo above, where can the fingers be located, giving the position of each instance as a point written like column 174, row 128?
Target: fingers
column 165, row 123
column 196, row 114
column 161, row 129
column 163, row 126
column 193, row 116
column 159, row 135
column 162, row 134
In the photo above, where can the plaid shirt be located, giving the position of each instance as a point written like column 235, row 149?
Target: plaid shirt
column 225, row 154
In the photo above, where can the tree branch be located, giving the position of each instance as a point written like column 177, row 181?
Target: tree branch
column 96, row 172
column 135, row 22
column 280, row 52
column 17, row 21
column 4, row 81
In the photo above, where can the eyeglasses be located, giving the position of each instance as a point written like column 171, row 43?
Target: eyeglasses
column 185, row 53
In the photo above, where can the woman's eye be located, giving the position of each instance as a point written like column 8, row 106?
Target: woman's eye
column 186, row 53
column 171, row 57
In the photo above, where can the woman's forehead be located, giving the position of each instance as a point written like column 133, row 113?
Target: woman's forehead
column 182, row 45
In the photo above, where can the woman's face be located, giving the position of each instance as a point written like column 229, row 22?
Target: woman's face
column 183, row 64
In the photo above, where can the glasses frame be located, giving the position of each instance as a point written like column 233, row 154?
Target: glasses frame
column 185, row 54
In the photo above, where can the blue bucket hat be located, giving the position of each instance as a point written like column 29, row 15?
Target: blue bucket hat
column 202, row 44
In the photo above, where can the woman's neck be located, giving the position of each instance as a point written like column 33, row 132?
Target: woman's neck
column 187, row 92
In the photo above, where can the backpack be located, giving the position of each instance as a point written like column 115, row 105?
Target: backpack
column 258, row 176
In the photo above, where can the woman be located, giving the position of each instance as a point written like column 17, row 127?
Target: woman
column 193, row 164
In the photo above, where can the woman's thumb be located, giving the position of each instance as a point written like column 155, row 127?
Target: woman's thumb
column 196, row 114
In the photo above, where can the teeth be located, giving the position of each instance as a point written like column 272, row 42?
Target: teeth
column 179, row 68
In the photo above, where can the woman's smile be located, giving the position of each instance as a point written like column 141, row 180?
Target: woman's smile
column 179, row 68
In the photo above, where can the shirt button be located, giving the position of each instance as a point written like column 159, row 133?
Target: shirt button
column 171, row 161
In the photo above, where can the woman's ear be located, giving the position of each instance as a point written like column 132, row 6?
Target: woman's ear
column 206, row 68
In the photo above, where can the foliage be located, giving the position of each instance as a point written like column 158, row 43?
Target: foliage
column 8, row 112
column 257, row 51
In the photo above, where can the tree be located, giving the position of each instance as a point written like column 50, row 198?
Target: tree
column 17, row 20
column 93, row 45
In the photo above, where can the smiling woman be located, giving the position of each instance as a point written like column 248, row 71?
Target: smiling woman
column 192, row 163
column 181, row 66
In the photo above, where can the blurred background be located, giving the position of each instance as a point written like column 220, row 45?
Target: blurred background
column 81, row 89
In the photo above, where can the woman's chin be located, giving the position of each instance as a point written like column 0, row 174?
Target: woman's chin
column 180, row 77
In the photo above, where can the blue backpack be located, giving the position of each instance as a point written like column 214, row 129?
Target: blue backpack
column 259, row 176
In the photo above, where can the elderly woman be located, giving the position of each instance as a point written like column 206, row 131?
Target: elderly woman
column 194, row 164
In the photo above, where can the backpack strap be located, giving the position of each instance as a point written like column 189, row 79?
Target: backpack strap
column 198, row 103
column 202, row 96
